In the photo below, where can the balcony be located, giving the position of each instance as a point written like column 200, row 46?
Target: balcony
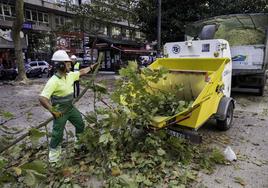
column 6, row 23
column 49, row 4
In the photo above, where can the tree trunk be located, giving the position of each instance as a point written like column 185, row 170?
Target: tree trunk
column 92, row 48
column 17, row 26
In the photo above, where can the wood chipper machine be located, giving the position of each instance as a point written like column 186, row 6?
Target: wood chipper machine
column 204, row 69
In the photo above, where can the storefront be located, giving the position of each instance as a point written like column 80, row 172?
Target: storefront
column 117, row 53
column 39, row 45
column 7, row 52
column 72, row 42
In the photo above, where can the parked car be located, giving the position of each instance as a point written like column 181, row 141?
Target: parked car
column 40, row 64
column 33, row 72
column 51, row 70
column 8, row 74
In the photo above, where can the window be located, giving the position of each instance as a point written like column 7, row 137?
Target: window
column 74, row 2
column 116, row 31
column 1, row 11
column 101, row 29
column 41, row 63
column 33, row 64
column 40, row 17
column 34, row 15
column 7, row 10
column 138, row 34
column 57, row 20
column 45, row 18
column 28, row 15
column 75, row 43
column 61, row 21
column 127, row 33
column 105, row 30
column 13, row 11
column 61, row 1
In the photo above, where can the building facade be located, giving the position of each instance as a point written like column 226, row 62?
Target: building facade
column 48, row 26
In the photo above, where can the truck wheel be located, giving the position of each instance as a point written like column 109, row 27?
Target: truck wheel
column 262, row 87
column 226, row 124
column 261, row 91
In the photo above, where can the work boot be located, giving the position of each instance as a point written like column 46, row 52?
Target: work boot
column 54, row 154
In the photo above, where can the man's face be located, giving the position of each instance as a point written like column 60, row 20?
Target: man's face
column 68, row 66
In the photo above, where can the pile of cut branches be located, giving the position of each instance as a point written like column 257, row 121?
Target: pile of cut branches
column 117, row 147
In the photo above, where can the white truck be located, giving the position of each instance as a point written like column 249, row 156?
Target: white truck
column 247, row 35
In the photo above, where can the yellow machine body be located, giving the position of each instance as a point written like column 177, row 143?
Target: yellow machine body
column 202, row 83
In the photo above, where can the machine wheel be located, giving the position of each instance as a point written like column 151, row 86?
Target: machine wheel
column 226, row 124
column 262, row 87
column 261, row 91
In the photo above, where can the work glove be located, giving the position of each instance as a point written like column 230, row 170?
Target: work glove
column 56, row 114
column 92, row 67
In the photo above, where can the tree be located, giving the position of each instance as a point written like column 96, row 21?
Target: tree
column 221, row 7
column 175, row 15
column 92, row 15
column 101, row 11
column 17, row 26
column 125, row 11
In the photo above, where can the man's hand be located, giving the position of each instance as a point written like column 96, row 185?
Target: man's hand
column 87, row 69
column 56, row 114
column 93, row 66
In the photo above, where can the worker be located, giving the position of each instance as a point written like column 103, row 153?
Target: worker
column 57, row 98
column 76, row 67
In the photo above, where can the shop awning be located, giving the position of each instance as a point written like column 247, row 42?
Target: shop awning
column 116, row 41
column 129, row 50
column 9, row 44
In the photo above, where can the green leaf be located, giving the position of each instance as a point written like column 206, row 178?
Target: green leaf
column 140, row 178
column 148, row 182
column 37, row 165
column 30, row 179
column 217, row 156
column 76, row 186
column 33, row 178
column 6, row 177
column 105, row 138
column 173, row 183
column 98, row 87
column 3, row 162
column 240, row 181
column 127, row 181
column 161, row 152
column 16, row 151
column 6, row 115
column 35, row 136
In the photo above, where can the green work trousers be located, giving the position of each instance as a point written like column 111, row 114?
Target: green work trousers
column 74, row 116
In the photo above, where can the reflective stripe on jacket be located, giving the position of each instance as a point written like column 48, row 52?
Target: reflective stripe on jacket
column 76, row 66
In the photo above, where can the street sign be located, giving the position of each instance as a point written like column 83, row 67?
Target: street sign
column 27, row 25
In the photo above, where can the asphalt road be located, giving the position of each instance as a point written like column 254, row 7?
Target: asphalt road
column 248, row 137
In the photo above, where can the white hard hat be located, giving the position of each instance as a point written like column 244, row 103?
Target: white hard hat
column 60, row 55
column 73, row 57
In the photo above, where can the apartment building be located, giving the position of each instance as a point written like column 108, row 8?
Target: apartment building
column 48, row 27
